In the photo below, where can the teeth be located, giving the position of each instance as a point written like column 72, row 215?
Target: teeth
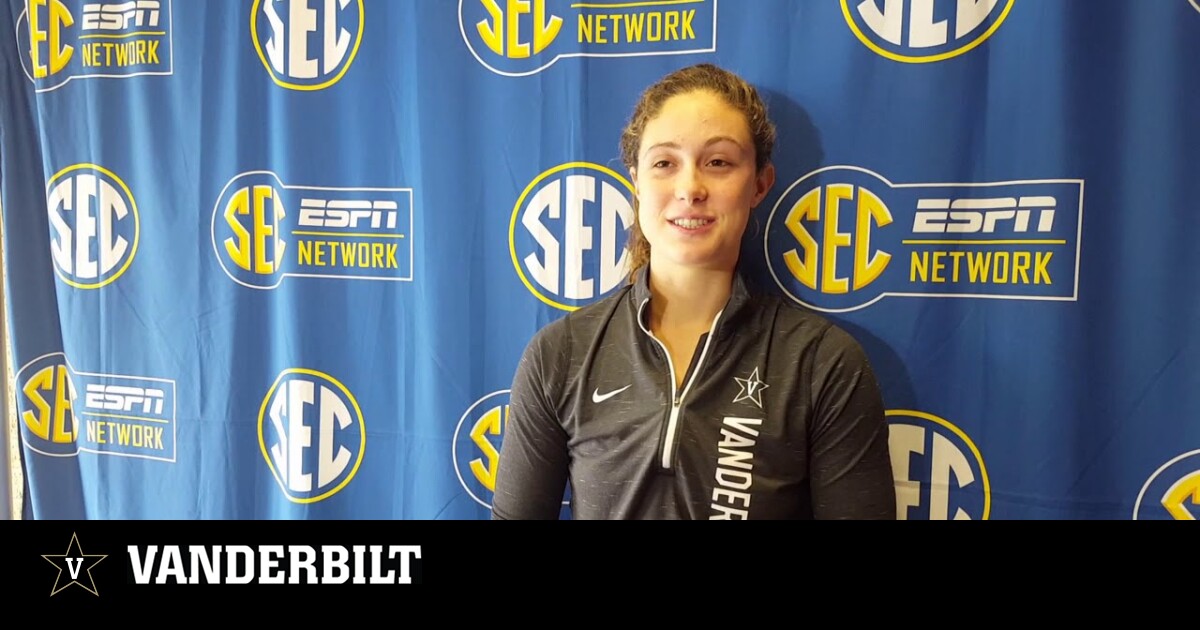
column 691, row 224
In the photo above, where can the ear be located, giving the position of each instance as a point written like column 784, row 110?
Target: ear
column 633, row 178
column 763, row 183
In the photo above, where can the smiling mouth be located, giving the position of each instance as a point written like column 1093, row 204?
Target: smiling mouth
column 691, row 224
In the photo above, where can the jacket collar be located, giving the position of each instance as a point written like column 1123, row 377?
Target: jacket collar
column 739, row 297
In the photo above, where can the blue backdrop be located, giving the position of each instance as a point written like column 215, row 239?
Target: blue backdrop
column 279, row 258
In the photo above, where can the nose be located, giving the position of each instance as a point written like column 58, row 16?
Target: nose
column 689, row 186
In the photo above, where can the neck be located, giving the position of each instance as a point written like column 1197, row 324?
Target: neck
column 687, row 298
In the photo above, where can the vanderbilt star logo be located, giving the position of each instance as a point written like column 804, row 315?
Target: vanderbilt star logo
column 751, row 389
column 75, row 563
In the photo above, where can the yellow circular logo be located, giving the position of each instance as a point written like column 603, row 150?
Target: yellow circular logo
column 940, row 474
column 568, row 232
column 312, row 433
column 924, row 31
column 94, row 226
column 307, row 48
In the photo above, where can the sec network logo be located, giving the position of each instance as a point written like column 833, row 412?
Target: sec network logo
column 61, row 40
column 841, row 238
column 516, row 38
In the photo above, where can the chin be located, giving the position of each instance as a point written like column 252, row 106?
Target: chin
column 699, row 260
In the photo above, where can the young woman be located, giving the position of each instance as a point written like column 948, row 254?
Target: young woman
column 684, row 395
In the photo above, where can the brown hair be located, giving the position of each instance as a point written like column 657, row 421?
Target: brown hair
column 705, row 77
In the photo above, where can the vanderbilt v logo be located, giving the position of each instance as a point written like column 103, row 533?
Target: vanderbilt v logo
column 73, row 565
column 77, row 565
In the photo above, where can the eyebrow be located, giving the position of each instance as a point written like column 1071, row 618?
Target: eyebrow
column 711, row 141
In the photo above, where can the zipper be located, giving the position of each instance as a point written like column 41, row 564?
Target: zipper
column 676, row 396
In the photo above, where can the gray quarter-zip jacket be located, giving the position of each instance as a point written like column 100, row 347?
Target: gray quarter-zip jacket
column 779, row 417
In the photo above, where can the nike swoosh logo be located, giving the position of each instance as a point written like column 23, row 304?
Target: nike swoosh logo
column 597, row 397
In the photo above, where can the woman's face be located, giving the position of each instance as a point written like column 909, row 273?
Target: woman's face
column 697, row 182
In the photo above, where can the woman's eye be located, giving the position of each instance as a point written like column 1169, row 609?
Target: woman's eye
column 719, row 162
column 661, row 164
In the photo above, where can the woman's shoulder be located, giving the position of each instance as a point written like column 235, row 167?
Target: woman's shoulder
column 787, row 315
column 579, row 325
column 555, row 350
column 799, row 324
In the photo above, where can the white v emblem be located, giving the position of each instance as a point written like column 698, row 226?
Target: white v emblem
column 73, row 567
